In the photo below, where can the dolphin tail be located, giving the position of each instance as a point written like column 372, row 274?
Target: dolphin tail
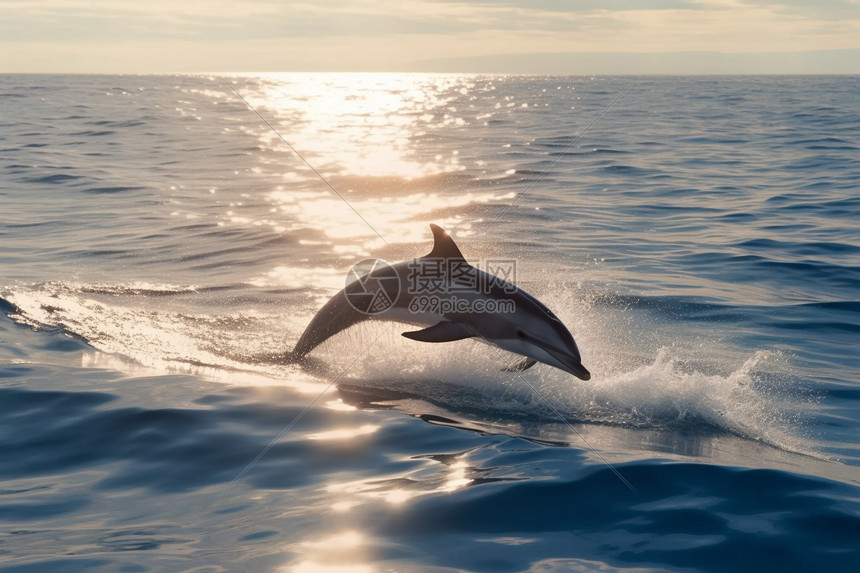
column 336, row 315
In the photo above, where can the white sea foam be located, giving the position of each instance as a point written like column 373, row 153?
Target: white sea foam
column 661, row 392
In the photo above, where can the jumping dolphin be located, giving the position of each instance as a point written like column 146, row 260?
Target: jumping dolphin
column 454, row 301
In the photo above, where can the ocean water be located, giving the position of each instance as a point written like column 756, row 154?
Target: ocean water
column 161, row 236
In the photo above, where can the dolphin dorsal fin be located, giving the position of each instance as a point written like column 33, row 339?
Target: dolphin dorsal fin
column 443, row 245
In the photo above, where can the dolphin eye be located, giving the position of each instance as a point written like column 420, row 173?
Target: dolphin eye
column 520, row 333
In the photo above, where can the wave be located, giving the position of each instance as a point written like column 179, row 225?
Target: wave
column 666, row 392
column 57, row 178
column 403, row 484
column 657, row 525
column 680, row 408
column 112, row 189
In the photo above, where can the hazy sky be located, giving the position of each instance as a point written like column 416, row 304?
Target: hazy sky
column 541, row 36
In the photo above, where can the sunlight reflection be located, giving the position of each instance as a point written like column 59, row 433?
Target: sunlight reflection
column 344, row 506
column 345, row 433
column 343, row 540
column 341, row 553
column 301, row 278
column 399, row 496
column 397, row 490
column 340, row 406
column 457, row 477
column 394, row 220
column 377, row 140
column 362, row 124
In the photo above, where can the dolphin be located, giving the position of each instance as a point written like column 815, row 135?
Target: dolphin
column 452, row 300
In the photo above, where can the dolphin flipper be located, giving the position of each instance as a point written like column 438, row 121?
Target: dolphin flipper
column 444, row 331
column 520, row 365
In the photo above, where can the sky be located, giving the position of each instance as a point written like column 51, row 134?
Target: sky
column 498, row 36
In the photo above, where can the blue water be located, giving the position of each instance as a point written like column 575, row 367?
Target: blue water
column 699, row 237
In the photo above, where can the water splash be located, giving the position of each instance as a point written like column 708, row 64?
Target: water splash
column 133, row 328
column 667, row 391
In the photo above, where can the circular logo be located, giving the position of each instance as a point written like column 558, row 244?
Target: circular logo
column 372, row 286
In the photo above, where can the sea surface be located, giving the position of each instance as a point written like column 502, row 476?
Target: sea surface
column 163, row 239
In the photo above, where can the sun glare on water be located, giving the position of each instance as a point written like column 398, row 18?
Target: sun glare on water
column 356, row 154
column 362, row 124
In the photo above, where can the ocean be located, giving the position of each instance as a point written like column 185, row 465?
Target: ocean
column 164, row 239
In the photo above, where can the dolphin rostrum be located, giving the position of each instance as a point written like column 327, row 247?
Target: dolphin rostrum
column 453, row 300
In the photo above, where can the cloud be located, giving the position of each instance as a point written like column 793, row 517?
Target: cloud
column 380, row 35
column 710, row 63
